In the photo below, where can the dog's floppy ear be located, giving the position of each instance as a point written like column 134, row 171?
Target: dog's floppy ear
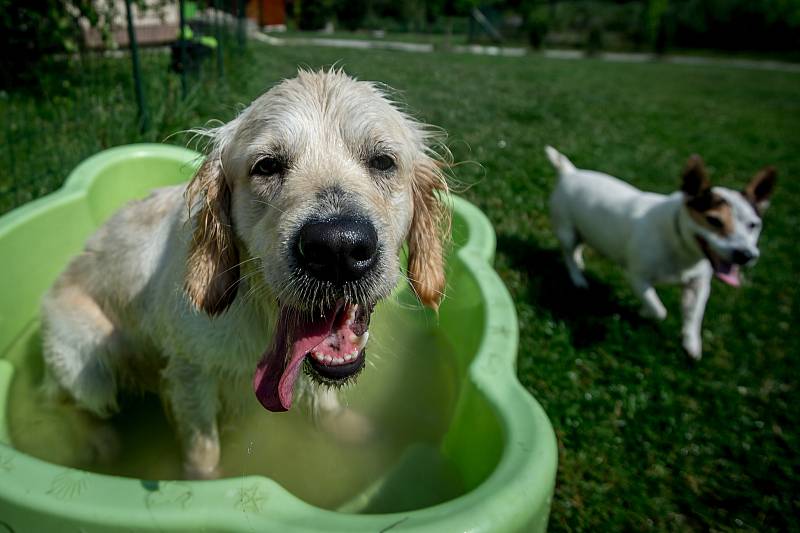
column 759, row 190
column 212, row 265
column 427, row 233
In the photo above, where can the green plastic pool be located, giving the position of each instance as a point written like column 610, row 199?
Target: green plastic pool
column 483, row 434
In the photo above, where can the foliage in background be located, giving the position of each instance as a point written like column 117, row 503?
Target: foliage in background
column 31, row 33
column 40, row 38
column 596, row 24
column 428, row 16
column 93, row 92
column 655, row 25
column 735, row 24
column 351, row 14
column 536, row 25
column 313, row 14
column 656, row 32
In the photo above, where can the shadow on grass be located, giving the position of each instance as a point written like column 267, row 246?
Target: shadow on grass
column 588, row 313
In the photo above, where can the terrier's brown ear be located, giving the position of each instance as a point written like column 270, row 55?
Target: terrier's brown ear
column 212, row 265
column 759, row 190
column 427, row 234
column 695, row 177
column 695, row 184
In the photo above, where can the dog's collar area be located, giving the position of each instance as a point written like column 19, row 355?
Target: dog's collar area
column 679, row 228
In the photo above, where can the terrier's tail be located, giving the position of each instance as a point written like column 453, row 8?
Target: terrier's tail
column 559, row 160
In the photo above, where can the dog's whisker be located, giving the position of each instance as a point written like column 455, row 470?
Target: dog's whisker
column 251, row 293
column 413, row 281
column 237, row 265
column 268, row 204
column 411, row 284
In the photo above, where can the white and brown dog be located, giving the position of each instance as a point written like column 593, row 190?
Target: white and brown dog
column 269, row 262
column 686, row 237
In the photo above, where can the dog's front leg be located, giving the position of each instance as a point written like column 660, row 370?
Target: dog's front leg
column 651, row 303
column 693, row 301
column 192, row 398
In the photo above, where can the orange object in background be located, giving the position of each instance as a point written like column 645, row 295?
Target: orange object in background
column 267, row 12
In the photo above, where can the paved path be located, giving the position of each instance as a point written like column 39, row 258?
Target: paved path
column 754, row 64
column 387, row 45
column 751, row 64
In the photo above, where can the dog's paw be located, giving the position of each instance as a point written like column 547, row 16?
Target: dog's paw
column 693, row 347
column 653, row 313
column 201, row 456
column 200, row 473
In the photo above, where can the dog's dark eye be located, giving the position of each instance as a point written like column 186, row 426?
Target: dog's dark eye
column 714, row 221
column 269, row 166
column 752, row 225
column 383, row 163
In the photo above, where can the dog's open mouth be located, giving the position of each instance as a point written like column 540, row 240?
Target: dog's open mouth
column 727, row 271
column 331, row 345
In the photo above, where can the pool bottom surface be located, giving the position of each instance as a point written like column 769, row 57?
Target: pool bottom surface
column 381, row 455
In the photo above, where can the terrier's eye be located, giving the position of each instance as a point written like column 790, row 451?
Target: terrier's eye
column 714, row 221
column 383, row 163
column 752, row 225
column 269, row 166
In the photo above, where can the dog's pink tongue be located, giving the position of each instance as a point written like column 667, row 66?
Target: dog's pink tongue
column 731, row 277
column 274, row 379
column 275, row 376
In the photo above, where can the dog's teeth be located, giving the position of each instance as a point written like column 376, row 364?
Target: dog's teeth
column 359, row 341
column 319, row 356
column 338, row 360
column 328, row 359
column 363, row 340
column 348, row 357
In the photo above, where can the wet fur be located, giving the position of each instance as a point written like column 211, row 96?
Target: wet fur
column 179, row 293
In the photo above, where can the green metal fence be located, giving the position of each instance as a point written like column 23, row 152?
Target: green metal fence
column 109, row 95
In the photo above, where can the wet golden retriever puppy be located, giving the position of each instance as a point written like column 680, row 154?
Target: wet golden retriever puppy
column 263, row 271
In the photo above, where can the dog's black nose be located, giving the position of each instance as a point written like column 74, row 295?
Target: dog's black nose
column 742, row 257
column 338, row 249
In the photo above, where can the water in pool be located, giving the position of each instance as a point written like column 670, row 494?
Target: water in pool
column 398, row 413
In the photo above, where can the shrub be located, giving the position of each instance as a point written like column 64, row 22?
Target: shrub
column 313, row 14
column 537, row 24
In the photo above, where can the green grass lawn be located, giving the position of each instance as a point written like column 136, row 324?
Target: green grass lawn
column 647, row 441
